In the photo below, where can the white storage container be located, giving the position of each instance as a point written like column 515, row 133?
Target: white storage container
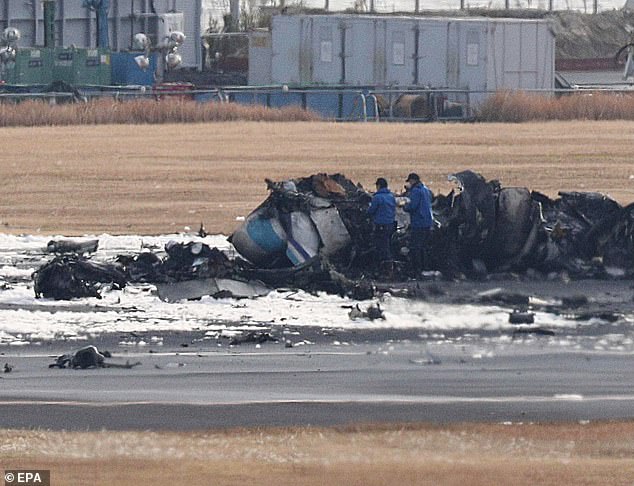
column 477, row 54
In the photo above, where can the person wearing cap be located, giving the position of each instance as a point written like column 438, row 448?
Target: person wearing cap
column 383, row 212
column 421, row 220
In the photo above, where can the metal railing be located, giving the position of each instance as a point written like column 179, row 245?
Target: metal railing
column 340, row 103
column 414, row 6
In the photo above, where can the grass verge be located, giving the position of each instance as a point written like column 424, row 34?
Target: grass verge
column 516, row 107
column 146, row 111
column 474, row 454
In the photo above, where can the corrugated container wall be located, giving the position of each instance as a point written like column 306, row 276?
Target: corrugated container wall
column 76, row 25
column 260, row 52
column 473, row 54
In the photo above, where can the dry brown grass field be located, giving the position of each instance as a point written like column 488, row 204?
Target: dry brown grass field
column 35, row 113
column 161, row 178
column 591, row 454
column 521, row 107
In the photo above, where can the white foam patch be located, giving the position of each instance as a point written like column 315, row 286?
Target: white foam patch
column 107, row 243
column 137, row 308
column 11, row 271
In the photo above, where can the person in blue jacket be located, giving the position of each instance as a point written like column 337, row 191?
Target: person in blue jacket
column 383, row 212
column 421, row 220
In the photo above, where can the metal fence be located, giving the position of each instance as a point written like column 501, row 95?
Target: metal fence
column 336, row 103
column 412, row 6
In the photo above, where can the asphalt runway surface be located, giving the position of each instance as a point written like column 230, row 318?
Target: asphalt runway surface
column 389, row 381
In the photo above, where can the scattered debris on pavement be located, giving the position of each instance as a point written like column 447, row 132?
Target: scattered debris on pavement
column 72, row 246
column 89, row 357
column 71, row 276
column 538, row 331
column 519, row 317
column 372, row 313
column 254, row 337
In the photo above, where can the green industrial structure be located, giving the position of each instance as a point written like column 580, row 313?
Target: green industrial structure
column 31, row 66
column 84, row 64
column 77, row 67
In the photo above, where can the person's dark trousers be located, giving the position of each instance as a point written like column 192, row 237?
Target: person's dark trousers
column 382, row 237
column 417, row 248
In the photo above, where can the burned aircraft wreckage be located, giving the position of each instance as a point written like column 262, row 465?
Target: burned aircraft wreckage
column 314, row 233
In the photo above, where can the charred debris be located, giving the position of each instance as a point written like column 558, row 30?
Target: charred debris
column 88, row 357
column 314, row 233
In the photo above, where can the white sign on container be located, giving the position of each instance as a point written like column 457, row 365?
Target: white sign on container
column 398, row 53
column 473, row 52
column 326, row 51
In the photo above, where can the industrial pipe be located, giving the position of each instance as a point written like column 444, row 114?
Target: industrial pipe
column 101, row 8
column 49, row 23
column 234, row 10
column 342, row 79
column 416, row 53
